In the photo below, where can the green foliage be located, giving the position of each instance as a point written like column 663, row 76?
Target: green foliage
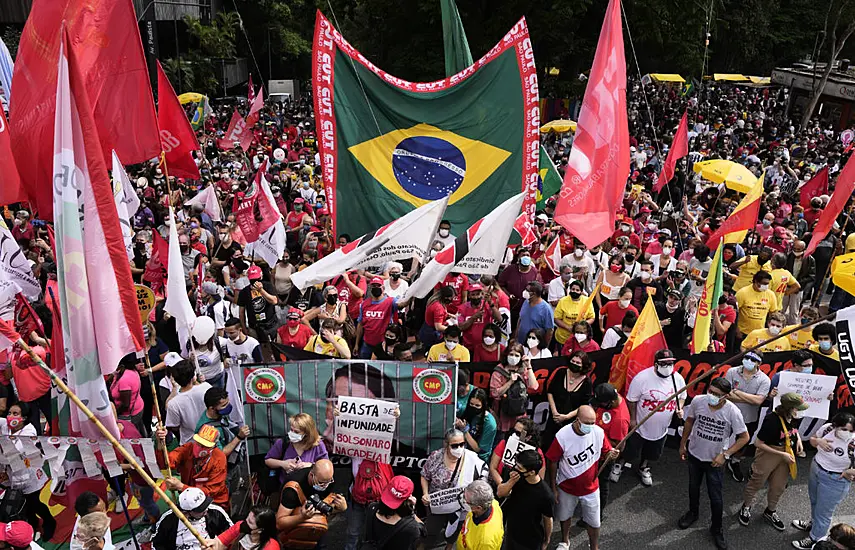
column 11, row 37
column 198, row 68
column 218, row 38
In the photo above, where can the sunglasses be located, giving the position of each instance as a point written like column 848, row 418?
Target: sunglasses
column 456, row 445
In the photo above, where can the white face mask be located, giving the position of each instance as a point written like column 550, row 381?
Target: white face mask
column 489, row 340
column 444, row 233
column 774, row 331
column 665, row 370
column 513, row 360
column 624, row 303
column 532, row 342
column 457, row 453
column 525, row 295
column 580, row 337
column 666, row 250
column 294, row 437
column 764, row 288
column 624, row 228
column 749, row 365
column 450, row 345
column 578, row 252
column 646, row 276
column 845, row 435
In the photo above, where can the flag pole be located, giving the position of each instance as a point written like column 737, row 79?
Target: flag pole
column 113, row 441
column 708, row 374
column 157, row 411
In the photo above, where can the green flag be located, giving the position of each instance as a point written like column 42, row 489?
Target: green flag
column 549, row 180
column 457, row 54
column 388, row 146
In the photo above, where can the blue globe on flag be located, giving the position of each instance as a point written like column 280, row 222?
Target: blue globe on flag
column 427, row 167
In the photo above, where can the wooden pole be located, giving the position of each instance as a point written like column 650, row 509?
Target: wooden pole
column 113, row 441
column 157, row 412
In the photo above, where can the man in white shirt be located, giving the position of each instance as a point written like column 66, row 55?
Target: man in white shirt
column 616, row 336
column 581, row 264
column 646, row 392
column 443, row 234
column 600, row 259
column 86, row 503
column 559, row 286
column 186, row 403
column 241, row 348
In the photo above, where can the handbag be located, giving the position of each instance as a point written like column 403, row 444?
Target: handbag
column 794, row 469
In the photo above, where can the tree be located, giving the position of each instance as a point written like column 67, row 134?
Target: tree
column 839, row 26
column 11, row 37
column 196, row 69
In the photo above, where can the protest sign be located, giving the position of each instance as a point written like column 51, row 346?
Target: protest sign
column 814, row 389
column 446, row 501
column 512, row 448
column 145, row 301
column 364, row 428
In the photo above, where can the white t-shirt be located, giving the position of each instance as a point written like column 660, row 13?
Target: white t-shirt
column 657, row 271
column 841, row 457
column 184, row 540
column 395, row 292
column 557, row 289
column 210, row 362
column 220, row 313
column 75, row 544
column 541, row 354
column 185, row 410
column 611, row 338
column 648, row 390
column 242, row 353
column 36, row 479
column 586, row 264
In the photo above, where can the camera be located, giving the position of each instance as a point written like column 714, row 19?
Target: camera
column 322, row 507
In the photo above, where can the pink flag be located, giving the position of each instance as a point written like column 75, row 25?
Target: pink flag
column 236, row 133
column 100, row 319
column 552, row 255
column 250, row 95
column 679, row 149
column 524, row 227
column 255, row 108
column 177, row 138
column 599, row 161
column 842, row 191
column 11, row 190
column 818, row 185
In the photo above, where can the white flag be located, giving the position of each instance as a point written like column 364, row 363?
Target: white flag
column 404, row 238
column 125, row 198
column 14, row 265
column 208, row 199
column 479, row 250
column 177, row 302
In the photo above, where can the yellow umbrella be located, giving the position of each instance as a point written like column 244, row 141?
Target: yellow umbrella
column 733, row 175
column 558, row 126
column 190, row 97
column 843, row 272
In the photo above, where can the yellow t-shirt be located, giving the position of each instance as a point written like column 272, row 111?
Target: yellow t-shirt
column 833, row 355
column 752, row 308
column 747, row 271
column 438, row 353
column 781, row 279
column 801, row 339
column 484, row 536
column 317, row 344
column 756, row 336
column 567, row 310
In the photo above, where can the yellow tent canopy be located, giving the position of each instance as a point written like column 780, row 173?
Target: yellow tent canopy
column 760, row 80
column 665, row 77
column 731, row 77
column 558, row 126
column 190, row 97
column 733, row 175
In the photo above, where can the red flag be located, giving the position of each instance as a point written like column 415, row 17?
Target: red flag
column 11, row 190
column 552, row 255
column 177, row 138
column 244, row 211
column 254, row 109
column 818, row 185
column 235, row 133
column 641, row 346
column 251, row 93
column 599, row 161
column 742, row 219
column 8, row 336
column 842, row 191
column 524, row 227
column 109, row 49
column 158, row 263
column 266, row 208
column 26, row 320
column 679, row 149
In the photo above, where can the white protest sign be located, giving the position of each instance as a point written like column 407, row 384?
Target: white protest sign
column 364, row 428
column 513, row 446
column 814, row 389
column 445, row 501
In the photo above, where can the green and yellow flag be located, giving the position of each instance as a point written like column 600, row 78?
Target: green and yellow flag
column 455, row 45
column 549, row 180
column 709, row 300
column 388, row 145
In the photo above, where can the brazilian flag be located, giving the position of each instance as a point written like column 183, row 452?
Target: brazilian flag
column 388, row 146
column 549, row 180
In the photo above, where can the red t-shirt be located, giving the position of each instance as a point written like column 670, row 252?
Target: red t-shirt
column 298, row 340
column 480, row 354
column 572, row 345
column 460, row 283
column 344, row 294
column 726, row 313
column 614, row 314
column 472, row 335
column 30, row 380
column 375, row 318
column 615, row 422
column 294, row 220
column 500, row 450
column 233, row 534
column 435, row 313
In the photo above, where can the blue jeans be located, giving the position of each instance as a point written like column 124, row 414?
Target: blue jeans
column 355, row 521
column 715, row 481
column 826, row 491
column 218, row 381
column 365, row 351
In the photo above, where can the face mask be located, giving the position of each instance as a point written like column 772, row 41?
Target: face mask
column 749, row 365
column 475, row 301
column 575, row 368
column 458, row 452
column 624, row 228
column 376, row 291
column 513, row 360
column 489, row 340
column 305, row 185
column 767, row 223
column 764, row 288
column 575, row 295
column 807, row 370
column 713, row 400
column 845, row 435
column 614, row 268
column 444, row 233
column 651, row 226
column 320, row 488
column 14, row 422
column 225, row 411
column 298, row 207
column 566, row 277
column 580, row 337
column 292, row 322
column 666, row 250
column 665, row 370
column 825, row 345
column 578, row 252
column 294, row 437
column 646, row 276
column 450, row 345
column 774, row 331
column 630, row 258
column 525, row 261
column 624, row 303
column 586, row 428
column 332, row 299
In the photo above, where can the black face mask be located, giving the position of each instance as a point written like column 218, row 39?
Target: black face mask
column 390, row 341
column 471, row 413
column 395, row 276
column 332, row 299
column 662, row 239
column 575, row 368
column 376, row 291
column 244, row 528
column 629, row 258
column 475, row 301
column 575, row 295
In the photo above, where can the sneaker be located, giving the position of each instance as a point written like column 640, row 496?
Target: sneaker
column 805, row 544
column 646, row 478
column 745, row 515
column 614, row 475
column 687, row 520
column 718, row 538
column 805, row 526
column 563, row 546
column 735, row 470
column 772, row 517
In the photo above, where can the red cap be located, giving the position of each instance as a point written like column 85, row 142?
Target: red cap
column 781, row 231
column 376, row 281
column 399, row 489
column 645, row 210
column 299, row 200
column 20, row 533
column 254, row 272
column 476, row 286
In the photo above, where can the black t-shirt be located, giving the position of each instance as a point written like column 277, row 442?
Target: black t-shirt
column 224, row 253
column 304, row 301
column 524, row 511
column 771, row 432
column 259, row 312
column 407, row 537
column 568, row 401
column 673, row 331
column 290, row 499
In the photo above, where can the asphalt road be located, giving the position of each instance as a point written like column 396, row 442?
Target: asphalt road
column 646, row 517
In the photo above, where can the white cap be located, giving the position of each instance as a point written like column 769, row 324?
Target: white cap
column 192, row 499
column 171, row 359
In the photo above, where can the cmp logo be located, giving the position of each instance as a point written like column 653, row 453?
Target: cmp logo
column 431, row 386
column 265, row 385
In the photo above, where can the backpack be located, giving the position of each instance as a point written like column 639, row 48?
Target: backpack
column 306, row 534
column 515, row 399
column 370, row 479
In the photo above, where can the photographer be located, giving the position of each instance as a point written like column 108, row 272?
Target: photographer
column 307, row 501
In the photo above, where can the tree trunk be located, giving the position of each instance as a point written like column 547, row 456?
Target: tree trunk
column 817, row 92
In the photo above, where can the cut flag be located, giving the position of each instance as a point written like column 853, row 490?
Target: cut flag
column 679, row 149
column 237, row 133
column 127, row 203
column 549, row 180
column 842, row 191
column 207, row 198
column 477, row 251
column 736, row 226
column 115, row 79
column 273, row 239
column 818, row 185
column 525, row 228
column 552, row 255
column 256, row 212
column 407, row 237
column 100, row 318
column 11, row 190
column 713, row 287
column 639, row 350
column 177, row 138
column 598, row 165
column 15, row 266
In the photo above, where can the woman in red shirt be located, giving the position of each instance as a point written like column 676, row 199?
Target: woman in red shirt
column 257, row 531
column 489, row 349
column 293, row 333
column 581, row 340
column 436, row 315
column 612, row 313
